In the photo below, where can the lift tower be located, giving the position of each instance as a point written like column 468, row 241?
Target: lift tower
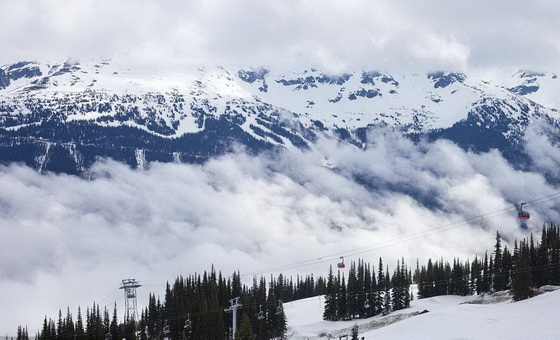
column 131, row 311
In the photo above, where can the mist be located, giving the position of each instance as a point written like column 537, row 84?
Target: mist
column 68, row 241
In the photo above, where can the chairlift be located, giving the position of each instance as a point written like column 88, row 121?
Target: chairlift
column 341, row 264
column 279, row 308
column 523, row 215
column 188, row 321
column 260, row 315
column 166, row 328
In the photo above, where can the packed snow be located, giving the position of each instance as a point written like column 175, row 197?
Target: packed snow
column 447, row 317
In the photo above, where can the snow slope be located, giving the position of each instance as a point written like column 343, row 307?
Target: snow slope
column 105, row 108
column 169, row 101
column 449, row 317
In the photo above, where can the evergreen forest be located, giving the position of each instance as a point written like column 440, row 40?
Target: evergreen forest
column 197, row 306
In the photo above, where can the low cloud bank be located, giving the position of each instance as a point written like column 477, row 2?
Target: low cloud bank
column 68, row 241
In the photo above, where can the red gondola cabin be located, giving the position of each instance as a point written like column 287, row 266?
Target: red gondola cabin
column 523, row 215
column 341, row 265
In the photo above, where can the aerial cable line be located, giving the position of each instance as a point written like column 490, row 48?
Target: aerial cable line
column 397, row 240
column 404, row 238
column 105, row 298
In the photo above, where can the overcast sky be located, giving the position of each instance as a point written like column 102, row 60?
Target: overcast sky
column 67, row 241
column 384, row 34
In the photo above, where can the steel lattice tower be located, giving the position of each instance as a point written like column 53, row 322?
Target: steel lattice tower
column 131, row 311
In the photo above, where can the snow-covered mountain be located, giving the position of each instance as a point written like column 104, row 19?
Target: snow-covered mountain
column 62, row 116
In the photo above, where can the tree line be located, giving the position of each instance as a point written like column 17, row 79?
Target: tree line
column 193, row 306
column 528, row 266
column 366, row 293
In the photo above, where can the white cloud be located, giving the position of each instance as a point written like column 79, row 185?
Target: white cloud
column 332, row 34
column 76, row 239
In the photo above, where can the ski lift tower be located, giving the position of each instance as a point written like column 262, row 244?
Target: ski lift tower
column 131, row 311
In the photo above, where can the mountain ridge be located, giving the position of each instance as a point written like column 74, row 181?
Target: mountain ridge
column 106, row 109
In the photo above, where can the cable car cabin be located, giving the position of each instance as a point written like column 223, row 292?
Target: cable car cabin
column 341, row 265
column 523, row 215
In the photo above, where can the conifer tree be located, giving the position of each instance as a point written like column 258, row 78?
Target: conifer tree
column 330, row 311
column 69, row 323
column 485, row 281
column 342, row 301
column 522, row 281
column 387, row 307
column 351, row 302
column 355, row 332
column 380, row 289
column 215, row 314
column 114, row 327
column 360, row 291
column 476, row 272
column 203, row 327
column 397, row 282
column 59, row 325
column 245, row 330
column 369, row 288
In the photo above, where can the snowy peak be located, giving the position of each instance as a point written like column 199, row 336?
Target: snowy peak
column 209, row 107
column 539, row 87
column 16, row 71
column 442, row 79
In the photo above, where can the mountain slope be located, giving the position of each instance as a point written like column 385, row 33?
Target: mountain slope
column 447, row 317
column 61, row 117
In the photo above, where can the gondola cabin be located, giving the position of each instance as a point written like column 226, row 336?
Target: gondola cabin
column 523, row 215
column 341, row 265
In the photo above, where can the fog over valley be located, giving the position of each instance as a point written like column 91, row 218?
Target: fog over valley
column 76, row 238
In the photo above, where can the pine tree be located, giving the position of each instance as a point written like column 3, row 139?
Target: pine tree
column 387, row 307
column 330, row 311
column 19, row 333
column 485, row 284
column 114, row 327
column 203, row 327
column 69, row 323
column 351, row 302
column 361, row 292
column 45, row 332
column 245, row 331
column 397, row 282
column 342, row 301
column 380, row 289
column 59, row 325
column 476, row 272
column 215, row 314
column 522, row 281
column 355, row 332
